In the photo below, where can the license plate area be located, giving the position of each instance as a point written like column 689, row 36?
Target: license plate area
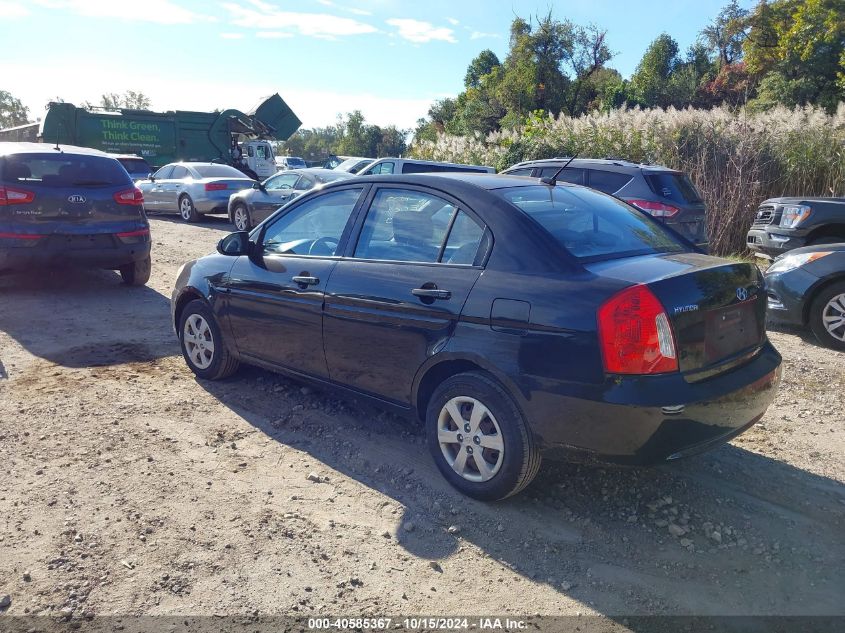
column 84, row 242
column 730, row 330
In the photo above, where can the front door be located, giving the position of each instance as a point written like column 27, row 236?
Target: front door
column 396, row 300
column 275, row 305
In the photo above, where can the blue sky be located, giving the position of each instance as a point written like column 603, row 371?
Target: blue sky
column 388, row 58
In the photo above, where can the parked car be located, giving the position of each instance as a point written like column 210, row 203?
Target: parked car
column 250, row 206
column 412, row 166
column 663, row 193
column 806, row 287
column 192, row 189
column 137, row 167
column 782, row 224
column 514, row 318
column 290, row 162
column 353, row 164
column 71, row 207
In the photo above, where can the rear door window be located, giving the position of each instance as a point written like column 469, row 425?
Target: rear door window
column 674, row 186
column 62, row 170
column 590, row 225
column 607, row 181
column 179, row 173
column 570, row 174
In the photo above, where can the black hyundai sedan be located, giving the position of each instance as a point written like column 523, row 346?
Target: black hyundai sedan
column 515, row 318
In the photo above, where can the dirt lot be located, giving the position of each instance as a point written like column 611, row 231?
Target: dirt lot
column 128, row 487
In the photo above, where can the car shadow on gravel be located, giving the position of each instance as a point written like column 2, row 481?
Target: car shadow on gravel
column 804, row 333
column 216, row 222
column 749, row 531
column 84, row 318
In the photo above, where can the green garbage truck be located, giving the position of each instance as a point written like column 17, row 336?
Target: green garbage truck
column 231, row 136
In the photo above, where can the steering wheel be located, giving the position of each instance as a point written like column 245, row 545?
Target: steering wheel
column 323, row 241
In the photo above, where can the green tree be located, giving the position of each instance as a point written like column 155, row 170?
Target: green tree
column 130, row 100
column 796, row 48
column 485, row 62
column 725, row 36
column 650, row 81
column 12, row 111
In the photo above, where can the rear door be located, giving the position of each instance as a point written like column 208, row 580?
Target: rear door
column 67, row 194
column 397, row 296
column 275, row 298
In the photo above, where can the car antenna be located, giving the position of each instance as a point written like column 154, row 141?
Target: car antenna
column 553, row 180
column 57, row 148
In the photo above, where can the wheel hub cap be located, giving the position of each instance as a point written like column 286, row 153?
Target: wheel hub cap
column 464, row 414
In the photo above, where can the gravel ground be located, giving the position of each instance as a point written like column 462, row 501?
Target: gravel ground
column 128, row 487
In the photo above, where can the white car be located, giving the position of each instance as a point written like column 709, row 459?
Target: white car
column 290, row 162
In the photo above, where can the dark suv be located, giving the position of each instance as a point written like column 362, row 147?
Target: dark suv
column 71, row 206
column 664, row 193
column 782, row 224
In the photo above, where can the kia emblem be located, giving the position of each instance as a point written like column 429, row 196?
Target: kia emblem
column 741, row 294
column 76, row 198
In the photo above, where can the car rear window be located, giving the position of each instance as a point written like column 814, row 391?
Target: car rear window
column 673, row 186
column 217, row 171
column 135, row 165
column 590, row 225
column 62, row 170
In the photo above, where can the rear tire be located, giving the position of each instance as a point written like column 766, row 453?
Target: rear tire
column 490, row 428
column 241, row 218
column 202, row 343
column 187, row 209
column 827, row 316
column 137, row 273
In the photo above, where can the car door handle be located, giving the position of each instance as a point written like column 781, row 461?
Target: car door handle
column 306, row 281
column 431, row 293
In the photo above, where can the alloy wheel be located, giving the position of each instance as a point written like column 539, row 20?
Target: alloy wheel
column 241, row 219
column 833, row 317
column 470, row 439
column 198, row 341
column 185, row 208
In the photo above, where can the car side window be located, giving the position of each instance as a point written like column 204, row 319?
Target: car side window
column 163, row 173
column 179, row 173
column 464, row 240
column 570, row 174
column 282, row 181
column 313, row 227
column 382, row 168
column 404, row 225
column 304, row 184
column 608, row 181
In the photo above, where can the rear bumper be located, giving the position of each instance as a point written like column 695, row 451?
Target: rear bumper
column 214, row 202
column 56, row 250
column 642, row 420
column 768, row 242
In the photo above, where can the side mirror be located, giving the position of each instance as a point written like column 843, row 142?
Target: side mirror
column 235, row 244
column 150, row 177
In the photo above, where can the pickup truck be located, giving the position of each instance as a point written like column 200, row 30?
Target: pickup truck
column 782, row 224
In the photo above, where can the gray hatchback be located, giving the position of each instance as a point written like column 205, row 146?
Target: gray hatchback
column 664, row 193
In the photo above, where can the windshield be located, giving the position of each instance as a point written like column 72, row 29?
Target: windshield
column 591, row 225
column 217, row 171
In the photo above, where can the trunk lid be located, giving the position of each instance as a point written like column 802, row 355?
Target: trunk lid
column 717, row 307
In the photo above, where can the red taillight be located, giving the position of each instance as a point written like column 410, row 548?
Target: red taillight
column 215, row 186
column 657, row 209
column 138, row 233
column 130, row 196
column 19, row 236
column 635, row 334
column 11, row 195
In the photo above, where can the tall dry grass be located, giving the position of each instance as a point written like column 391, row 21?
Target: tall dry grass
column 735, row 159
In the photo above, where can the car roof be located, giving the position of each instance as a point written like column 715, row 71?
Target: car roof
column 584, row 162
column 313, row 171
column 16, row 147
column 477, row 180
column 132, row 156
column 420, row 161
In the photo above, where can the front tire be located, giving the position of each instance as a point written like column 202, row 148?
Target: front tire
column 202, row 343
column 137, row 273
column 241, row 218
column 479, row 438
column 827, row 316
column 187, row 209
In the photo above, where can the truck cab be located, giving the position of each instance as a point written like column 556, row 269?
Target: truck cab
column 256, row 157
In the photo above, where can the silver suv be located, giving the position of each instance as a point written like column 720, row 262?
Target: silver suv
column 664, row 193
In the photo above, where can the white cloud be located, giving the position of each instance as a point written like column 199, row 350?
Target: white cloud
column 273, row 34
column 159, row 11
column 421, row 32
column 477, row 35
column 356, row 11
column 453, row 21
column 232, row 36
column 11, row 10
column 320, row 25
